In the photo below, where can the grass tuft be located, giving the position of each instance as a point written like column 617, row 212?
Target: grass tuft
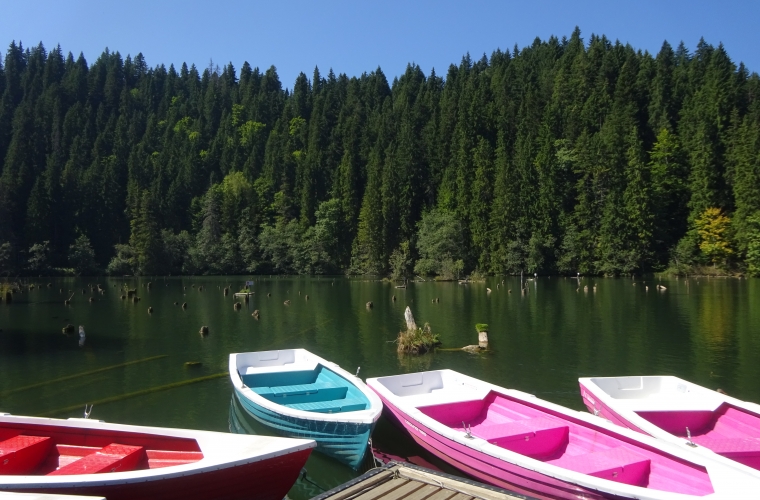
column 417, row 341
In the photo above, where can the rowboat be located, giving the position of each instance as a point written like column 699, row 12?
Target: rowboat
column 519, row 442
column 677, row 411
column 299, row 394
column 95, row 458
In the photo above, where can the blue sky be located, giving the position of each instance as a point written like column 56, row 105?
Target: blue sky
column 353, row 37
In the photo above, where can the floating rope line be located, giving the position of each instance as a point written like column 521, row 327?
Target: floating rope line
column 81, row 374
column 151, row 390
column 135, row 394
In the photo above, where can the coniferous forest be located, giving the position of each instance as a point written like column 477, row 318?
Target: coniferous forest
column 568, row 155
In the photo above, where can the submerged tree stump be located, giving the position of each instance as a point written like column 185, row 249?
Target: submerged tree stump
column 204, row 330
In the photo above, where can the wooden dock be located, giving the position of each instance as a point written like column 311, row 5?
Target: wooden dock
column 397, row 481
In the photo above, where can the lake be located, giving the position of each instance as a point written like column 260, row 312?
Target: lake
column 132, row 365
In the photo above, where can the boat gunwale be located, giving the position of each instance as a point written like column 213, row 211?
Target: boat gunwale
column 367, row 416
column 215, row 447
column 478, row 445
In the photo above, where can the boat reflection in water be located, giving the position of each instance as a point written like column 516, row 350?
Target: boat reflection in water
column 320, row 472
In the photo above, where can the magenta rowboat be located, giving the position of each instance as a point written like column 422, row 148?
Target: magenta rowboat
column 519, row 442
column 677, row 411
column 124, row 462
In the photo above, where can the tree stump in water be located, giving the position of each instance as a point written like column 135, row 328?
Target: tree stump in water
column 482, row 330
column 237, row 306
column 203, row 331
column 255, row 314
column 410, row 324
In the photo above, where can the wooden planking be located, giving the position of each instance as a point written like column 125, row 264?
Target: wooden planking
column 424, row 492
column 367, row 483
column 452, row 484
column 390, row 489
column 401, row 482
column 461, row 496
column 442, row 494
column 407, row 489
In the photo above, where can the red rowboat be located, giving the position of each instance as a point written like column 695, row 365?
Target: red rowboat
column 91, row 457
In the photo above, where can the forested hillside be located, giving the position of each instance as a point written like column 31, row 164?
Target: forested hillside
column 564, row 156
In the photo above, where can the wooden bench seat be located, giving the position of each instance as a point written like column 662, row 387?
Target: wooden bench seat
column 335, row 406
column 618, row 464
column 112, row 458
column 730, row 447
column 533, row 437
column 23, row 454
column 303, row 393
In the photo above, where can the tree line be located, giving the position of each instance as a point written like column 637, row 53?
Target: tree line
column 564, row 156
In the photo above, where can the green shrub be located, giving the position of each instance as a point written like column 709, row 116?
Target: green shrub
column 481, row 327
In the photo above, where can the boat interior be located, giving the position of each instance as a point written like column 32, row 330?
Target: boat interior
column 545, row 435
column 675, row 405
column 30, row 449
column 318, row 389
column 728, row 431
column 516, row 426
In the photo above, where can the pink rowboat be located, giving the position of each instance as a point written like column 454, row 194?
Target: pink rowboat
column 120, row 462
column 677, row 411
column 518, row 442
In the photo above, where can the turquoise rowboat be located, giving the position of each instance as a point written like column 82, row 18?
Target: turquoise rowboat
column 299, row 394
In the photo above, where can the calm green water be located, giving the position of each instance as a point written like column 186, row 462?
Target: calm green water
column 707, row 331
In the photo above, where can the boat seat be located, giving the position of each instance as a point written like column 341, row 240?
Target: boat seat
column 22, row 454
column 533, row 437
column 319, row 390
column 168, row 458
column 112, row 458
column 335, row 406
column 618, row 464
column 730, row 446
